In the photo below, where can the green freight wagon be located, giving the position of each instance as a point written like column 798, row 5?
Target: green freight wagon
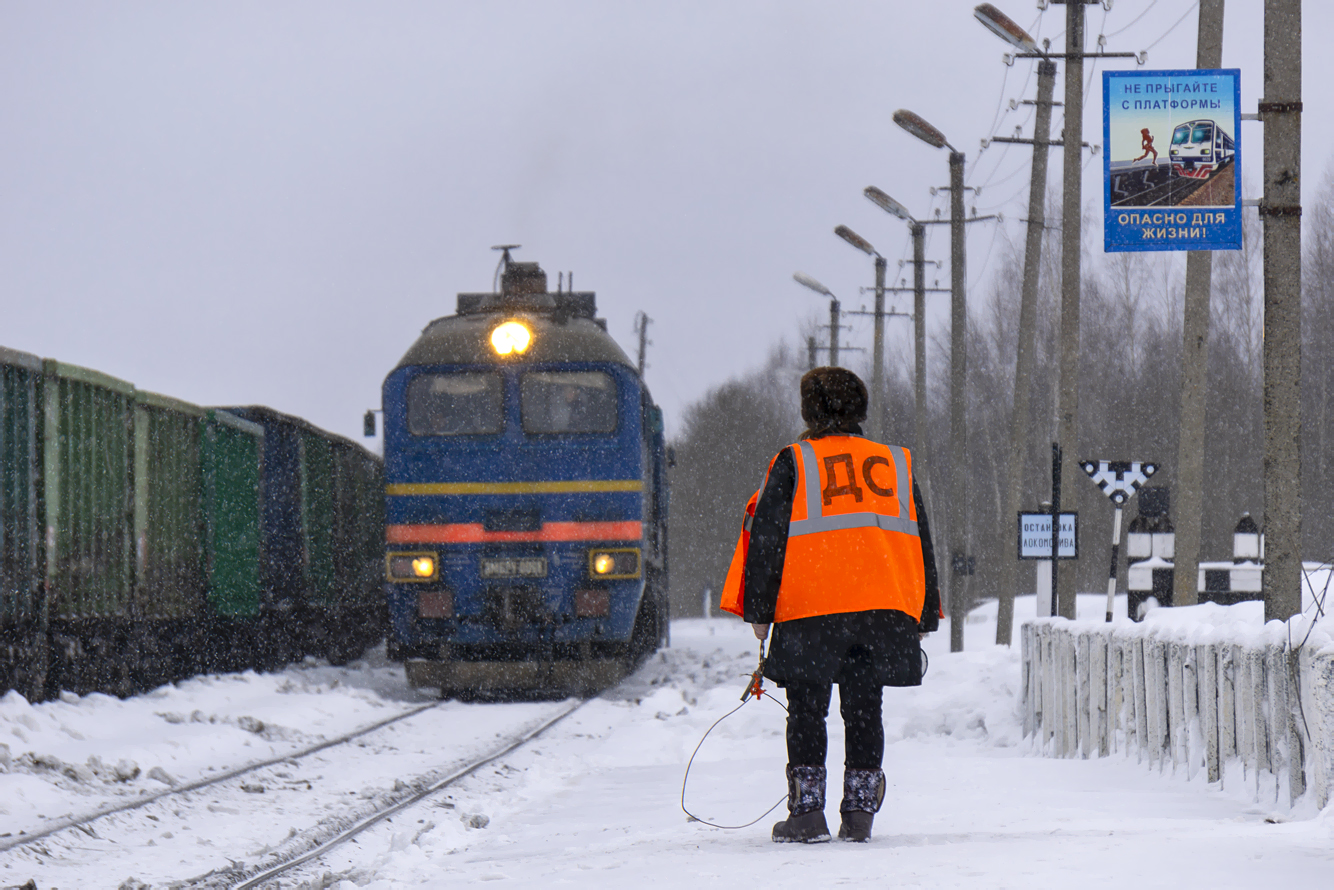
column 143, row 538
column 319, row 511
column 23, row 620
column 170, row 592
column 239, row 633
column 358, row 545
column 306, row 568
column 232, row 453
column 88, row 471
column 168, row 508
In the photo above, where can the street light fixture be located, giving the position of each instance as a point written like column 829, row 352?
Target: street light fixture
column 1005, row 28
column 888, row 204
column 855, row 240
column 918, row 127
column 807, row 281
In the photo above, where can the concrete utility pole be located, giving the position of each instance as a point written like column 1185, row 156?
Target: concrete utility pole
column 880, row 423
column 1020, row 425
column 1195, row 366
column 1281, row 210
column 958, row 403
column 919, row 347
column 1067, row 411
column 833, row 331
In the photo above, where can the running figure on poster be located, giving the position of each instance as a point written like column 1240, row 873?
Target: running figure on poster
column 1146, row 143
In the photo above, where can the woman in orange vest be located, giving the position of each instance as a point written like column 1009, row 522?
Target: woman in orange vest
column 838, row 557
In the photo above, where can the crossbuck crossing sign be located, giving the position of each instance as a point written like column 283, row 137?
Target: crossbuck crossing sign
column 1119, row 479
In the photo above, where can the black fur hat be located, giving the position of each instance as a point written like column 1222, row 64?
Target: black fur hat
column 832, row 399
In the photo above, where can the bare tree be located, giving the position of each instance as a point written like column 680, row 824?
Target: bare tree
column 725, row 445
column 1318, row 376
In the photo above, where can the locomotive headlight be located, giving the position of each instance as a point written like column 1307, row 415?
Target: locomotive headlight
column 412, row 567
column 614, row 563
column 511, row 337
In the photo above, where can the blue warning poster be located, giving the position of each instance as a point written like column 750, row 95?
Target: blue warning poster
column 1172, row 160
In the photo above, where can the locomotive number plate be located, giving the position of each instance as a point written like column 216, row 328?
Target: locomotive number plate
column 516, row 567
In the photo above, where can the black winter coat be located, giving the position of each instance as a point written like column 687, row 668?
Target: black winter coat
column 817, row 649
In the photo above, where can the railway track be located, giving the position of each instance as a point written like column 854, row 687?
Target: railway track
column 209, row 820
column 323, row 838
column 1172, row 191
column 82, row 822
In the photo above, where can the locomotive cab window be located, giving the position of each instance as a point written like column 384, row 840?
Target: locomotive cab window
column 568, row 402
column 465, row 403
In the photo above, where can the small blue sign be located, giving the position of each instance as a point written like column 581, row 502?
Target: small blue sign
column 1172, row 160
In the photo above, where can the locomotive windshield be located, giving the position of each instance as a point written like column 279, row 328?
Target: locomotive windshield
column 568, row 402
column 1180, row 135
column 465, row 403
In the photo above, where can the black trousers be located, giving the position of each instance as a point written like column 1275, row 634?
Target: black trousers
column 859, row 694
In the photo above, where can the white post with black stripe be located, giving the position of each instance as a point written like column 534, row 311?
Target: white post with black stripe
column 1116, row 551
column 1119, row 480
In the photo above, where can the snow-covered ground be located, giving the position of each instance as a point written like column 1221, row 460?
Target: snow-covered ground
column 596, row 802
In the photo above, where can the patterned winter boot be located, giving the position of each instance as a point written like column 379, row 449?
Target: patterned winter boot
column 863, row 792
column 805, row 823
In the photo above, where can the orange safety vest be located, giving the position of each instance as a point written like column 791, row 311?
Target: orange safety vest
column 734, row 586
column 852, row 543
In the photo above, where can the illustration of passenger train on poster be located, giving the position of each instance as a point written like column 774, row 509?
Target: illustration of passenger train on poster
column 1172, row 168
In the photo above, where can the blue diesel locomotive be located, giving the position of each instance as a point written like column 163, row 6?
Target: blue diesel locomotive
column 526, row 514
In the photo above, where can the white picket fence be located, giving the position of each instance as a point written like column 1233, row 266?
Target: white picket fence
column 1256, row 716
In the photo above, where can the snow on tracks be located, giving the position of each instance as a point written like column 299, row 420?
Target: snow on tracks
column 191, row 733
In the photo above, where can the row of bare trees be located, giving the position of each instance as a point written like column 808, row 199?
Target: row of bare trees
column 1129, row 408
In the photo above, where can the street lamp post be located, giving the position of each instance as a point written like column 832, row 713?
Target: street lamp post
column 918, row 127
column 807, row 281
column 1072, row 234
column 1072, row 140
column 879, row 425
column 1008, row 30
column 918, row 230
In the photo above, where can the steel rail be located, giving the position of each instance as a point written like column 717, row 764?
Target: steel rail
column 24, row 838
column 366, row 822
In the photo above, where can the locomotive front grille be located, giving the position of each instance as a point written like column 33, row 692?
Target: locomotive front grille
column 511, row 608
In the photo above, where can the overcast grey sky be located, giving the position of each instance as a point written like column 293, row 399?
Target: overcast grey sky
column 264, row 202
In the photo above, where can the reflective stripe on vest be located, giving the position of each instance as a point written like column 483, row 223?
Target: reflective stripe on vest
column 816, row 521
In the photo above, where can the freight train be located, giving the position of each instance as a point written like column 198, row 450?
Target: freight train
column 525, row 473
column 144, row 539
